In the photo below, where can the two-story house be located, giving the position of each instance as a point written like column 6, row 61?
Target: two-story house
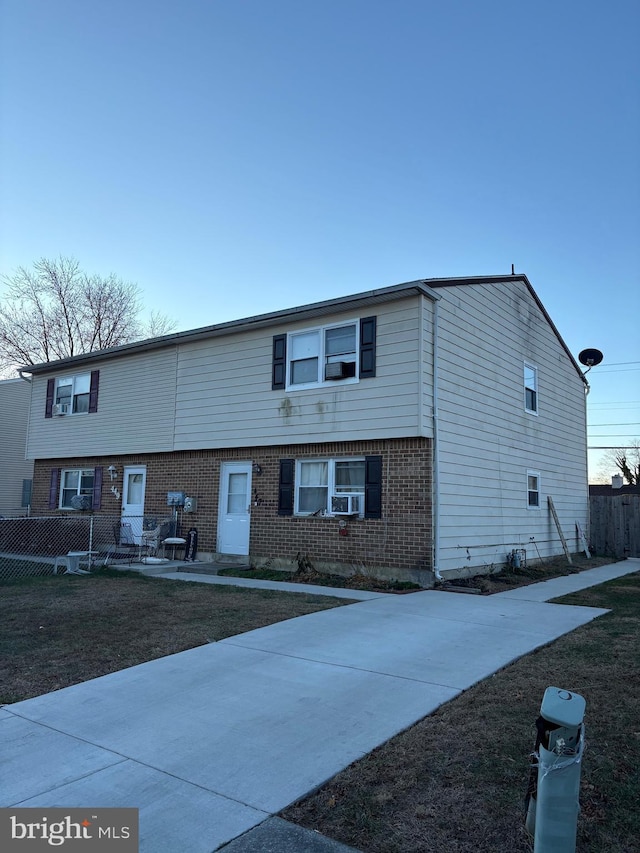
column 409, row 431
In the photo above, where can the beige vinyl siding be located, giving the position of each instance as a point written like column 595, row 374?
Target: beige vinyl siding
column 425, row 427
column 136, row 410
column 225, row 397
column 488, row 441
column 15, row 395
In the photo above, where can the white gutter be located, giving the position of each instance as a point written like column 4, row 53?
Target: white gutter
column 436, row 459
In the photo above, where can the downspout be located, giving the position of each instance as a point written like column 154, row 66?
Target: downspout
column 435, row 492
column 587, row 388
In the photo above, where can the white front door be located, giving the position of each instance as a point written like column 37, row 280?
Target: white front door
column 234, row 512
column 133, row 485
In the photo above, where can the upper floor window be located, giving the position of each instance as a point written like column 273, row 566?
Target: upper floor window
column 72, row 393
column 320, row 355
column 530, row 388
column 330, row 487
column 340, row 351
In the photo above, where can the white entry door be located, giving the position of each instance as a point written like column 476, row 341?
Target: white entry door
column 234, row 512
column 133, row 485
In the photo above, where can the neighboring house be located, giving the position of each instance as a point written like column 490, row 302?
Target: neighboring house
column 15, row 471
column 413, row 429
column 613, row 491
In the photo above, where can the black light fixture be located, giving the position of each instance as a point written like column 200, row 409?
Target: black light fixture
column 257, row 469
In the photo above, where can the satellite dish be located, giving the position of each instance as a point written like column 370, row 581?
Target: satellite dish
column 590, row 357
column 81, row 502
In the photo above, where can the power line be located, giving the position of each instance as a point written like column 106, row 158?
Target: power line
column 632, row 423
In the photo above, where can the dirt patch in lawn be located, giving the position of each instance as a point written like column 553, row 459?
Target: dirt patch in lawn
column 57, row 631
column 456, row 780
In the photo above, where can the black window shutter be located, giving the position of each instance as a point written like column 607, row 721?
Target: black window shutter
column 97, row 488
column 373, row 486
column 93, row 391
column 53, row 488
column 51, row 390
column 285, row 491
column 279, row 367
column 367, row 347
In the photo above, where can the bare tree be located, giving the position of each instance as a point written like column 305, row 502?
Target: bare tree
column 56, row 310
column 626, row 460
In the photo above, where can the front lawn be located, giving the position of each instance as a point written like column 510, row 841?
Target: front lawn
column 456, row 780
column 57, row 631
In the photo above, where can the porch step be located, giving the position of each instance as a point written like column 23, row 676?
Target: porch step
column 208, row 568
column 226, row 561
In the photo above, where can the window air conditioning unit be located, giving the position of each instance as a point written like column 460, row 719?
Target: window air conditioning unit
column 340, row 370
column 345, row 504
column 61, row 409
column 82, row 502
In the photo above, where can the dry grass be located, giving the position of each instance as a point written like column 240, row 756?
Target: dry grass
column 456, row 781
column 57, row 631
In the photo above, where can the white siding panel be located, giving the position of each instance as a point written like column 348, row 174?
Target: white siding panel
column 136, row 411
column 487, row 440
column 225, row 398
column 217, row 393
column 15, row 395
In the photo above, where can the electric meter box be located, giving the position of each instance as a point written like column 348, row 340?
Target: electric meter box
column 190, row 504
column 175, row 498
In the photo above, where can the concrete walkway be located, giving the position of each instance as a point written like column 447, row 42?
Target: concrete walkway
column 212, row 742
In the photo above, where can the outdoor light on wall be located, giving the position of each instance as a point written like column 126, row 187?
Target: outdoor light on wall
column 113, row 473
column 257, row 469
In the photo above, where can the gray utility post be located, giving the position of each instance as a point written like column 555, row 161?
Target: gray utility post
column 553, row 801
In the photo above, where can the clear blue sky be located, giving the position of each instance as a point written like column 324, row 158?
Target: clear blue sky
column 233, row 157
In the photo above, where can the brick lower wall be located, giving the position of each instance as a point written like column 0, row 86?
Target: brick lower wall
column 401, row 539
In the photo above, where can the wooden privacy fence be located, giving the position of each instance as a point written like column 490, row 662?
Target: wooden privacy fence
column 615, row 525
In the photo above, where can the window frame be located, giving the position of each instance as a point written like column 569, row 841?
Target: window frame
column 323, row 357
column 528, row 388
column 536, row 491
column 73, row 381
column 332, row 488
column 79, row 490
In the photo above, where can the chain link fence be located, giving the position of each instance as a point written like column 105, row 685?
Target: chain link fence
column 41, row 545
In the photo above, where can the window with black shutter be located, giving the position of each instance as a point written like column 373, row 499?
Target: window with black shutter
column 373, row 487
column 367, row 347
column 285, row 491
column 279, row 366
